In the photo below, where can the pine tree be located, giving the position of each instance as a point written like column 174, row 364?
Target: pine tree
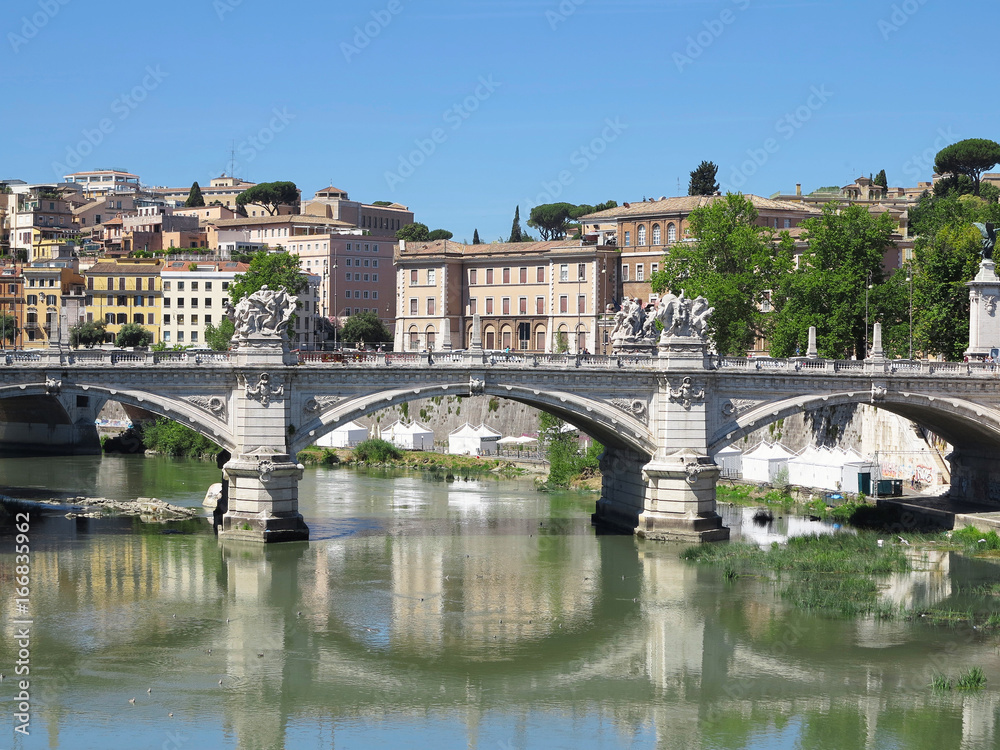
column 195, row 198
column 515, row 229
column 703, row 179
column 475, row 237
column 880, row 179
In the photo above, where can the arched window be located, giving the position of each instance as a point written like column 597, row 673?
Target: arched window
column 656, row 234
column 540, row 338
column 671, row 233
column 641, row 235
column 431, row 337
column 414, row 339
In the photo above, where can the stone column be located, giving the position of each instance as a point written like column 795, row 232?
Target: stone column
column 680, row 479
column 811, row 351
column 984, row 327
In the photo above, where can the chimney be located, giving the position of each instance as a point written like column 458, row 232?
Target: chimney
column 798, row 188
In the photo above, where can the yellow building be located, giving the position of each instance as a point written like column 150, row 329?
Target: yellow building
column 50, row 288
column 126, row 290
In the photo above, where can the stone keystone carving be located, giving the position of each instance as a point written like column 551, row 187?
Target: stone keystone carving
column 214, row 404
column 321, row 403
column 264, row 314
column 635, row 407
column 686, row 394
column 477, row 385
column 989, row 304
column 878, row 392
column 52, row 387
column 264, row 391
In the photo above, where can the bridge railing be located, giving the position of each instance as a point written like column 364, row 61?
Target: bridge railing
column 486, row 359
column 855, row 366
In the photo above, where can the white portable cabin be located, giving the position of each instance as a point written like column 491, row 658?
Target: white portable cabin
column 764, row 462
column 473, row 441
column 412, row 437
column 730, row 461
column 345, row 436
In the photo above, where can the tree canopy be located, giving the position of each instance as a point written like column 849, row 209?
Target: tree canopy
column 881, row 179
column 475, row 237
column 439, row 234
column 552, row 220
column 270, row 195
column 8, row 328
column 733, row 264
column 970, row 157
column 703, row 179
column 364, row 326
column 219, row 337
column 87, row 334
column 516, row 235
column 195, row 199
column 273, row 269
column 133, row 334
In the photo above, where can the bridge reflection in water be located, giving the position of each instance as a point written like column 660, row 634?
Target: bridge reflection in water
column 475, row 626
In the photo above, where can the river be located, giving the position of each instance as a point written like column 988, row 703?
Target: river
column 469, row 614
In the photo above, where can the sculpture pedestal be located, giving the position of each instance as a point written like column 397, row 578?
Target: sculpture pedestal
column 263, row 499
column 680, row 500
column 683, row 353
column 984, row 326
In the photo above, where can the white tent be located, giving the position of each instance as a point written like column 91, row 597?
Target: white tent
column 346, row 436
column 822, row 468
column 730, row 460
column 473, row 441
column 413, row 436
column 764, row 462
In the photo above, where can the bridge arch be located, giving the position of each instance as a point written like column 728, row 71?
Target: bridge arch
column 605, row 423
column 960, row 422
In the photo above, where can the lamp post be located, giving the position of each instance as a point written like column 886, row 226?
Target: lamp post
column 867, row 289
column 336, row 310
column 604, row 303
column 909, row 280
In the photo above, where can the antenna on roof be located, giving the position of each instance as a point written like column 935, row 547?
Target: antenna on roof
column 232, row 159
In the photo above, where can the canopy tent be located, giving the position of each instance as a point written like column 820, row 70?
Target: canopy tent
column 413, row 436
column 822, row 468
column 468, row 440
column 730, row 461
column 764, row 462
column 345, row 436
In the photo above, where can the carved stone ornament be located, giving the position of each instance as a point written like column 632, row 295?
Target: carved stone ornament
column 264, row 391
column 321, row 403
column 676, row 316
column 635, row 407
column 214, row 404
column 878, row 392
column 265, row 468
column 52, row 387
column 693, row 471
column 264, row 314
column 736, row 406
column 686, row 394
column 477, row 386
column 989, row 304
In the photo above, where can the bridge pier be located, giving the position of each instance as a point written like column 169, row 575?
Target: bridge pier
column 263, row 502
column 975, row 475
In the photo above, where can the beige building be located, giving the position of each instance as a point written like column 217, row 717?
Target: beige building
column 195, row 296
column 378, row 221
column 273, row 231
column 537, row 296
column 100, row 182
column 121, row 291
column 54, row 300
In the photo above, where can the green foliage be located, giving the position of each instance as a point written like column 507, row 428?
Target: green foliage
column 439, row 234
column 174, row 439
column 87, row 334
column 703, row 179
column 881, row 179
column 133, row 334
column 562, row 451
column 493, row 405
column 382, row 203
column 376, row 451
column 975, row 540
column 364, row 326
column 219, row 337
column 516, row 235
column 475, row 237
column 195, row 199
column 732, row 265
column 828, row 289
column 415, row 232
column 273, row 269
column 551, row 219
column 270, row 195
column 972, row 679
column 970, row 157
column 8, row 328
column 404, row 409
column 562, row 342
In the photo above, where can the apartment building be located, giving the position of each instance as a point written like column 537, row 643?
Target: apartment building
column 42, row 214
column 538, row 296
column 54, row 300
column 125, row 290
column 382, row 220
column 274, row 231
column 156, row 228
column 194, row 297
column 100, row 182
column 12, row 305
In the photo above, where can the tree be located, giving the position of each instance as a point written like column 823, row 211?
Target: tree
column 273, row 269
column 415, row 232
column 516, row 235
column 195, row 199
column 8, row 329
column 219, row 337
column 703, row 179
column 846, row 247
column 551, row 219
column 364, row 326
column 881, row 179
column 270, row 195
column 133, row 334
column 87, row 334
column 733, row 265
column 970, row 157
column 475, row 237
column 439, row 234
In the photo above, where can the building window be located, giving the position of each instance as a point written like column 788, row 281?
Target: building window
column 489, row 305
column 194, row 286
column 628, row 238
column 121, row 283
column 166, row 335
column 138, row 284
column 653, row 268
column 581, row 272
column 563, row 303
column 473, row 306
column 522, row 305
column 624, row 273
column 489, row 275
column 431, row 276
column 413, row 276
column 656, row 234
column 505, row 309
column 640, row 235
column 524, row 275
column 208, row 286
column 671, row 233
column 413, row 304
column 540, row 274
column 581, row 303
column 472, row 276
column 564, row 272
column 166, row 320
column 506, row 276
column 430, row 306
column 180, row 336
column 639, row 276
column 539, row 305
column 788, row 223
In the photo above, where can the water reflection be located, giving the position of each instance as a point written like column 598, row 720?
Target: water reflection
column 480, row 613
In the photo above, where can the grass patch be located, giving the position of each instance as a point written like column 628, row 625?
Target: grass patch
column 971, row 679
column 376, row 451
column 973, row 540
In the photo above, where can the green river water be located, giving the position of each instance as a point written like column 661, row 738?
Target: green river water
column 433, row 614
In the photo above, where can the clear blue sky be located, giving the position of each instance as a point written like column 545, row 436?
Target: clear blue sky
column 517, row 102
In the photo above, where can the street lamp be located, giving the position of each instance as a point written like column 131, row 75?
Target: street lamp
column 909, row 279
column 336, row 318
column 604, row 302
column 867, row 289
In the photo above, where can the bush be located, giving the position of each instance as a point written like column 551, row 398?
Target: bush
column 376, row 451
column 174, row 439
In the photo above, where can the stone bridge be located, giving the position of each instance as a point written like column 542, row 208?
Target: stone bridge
column 660, row 415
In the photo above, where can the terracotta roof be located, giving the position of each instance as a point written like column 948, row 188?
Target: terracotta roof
column 331, row 189
column 283, row 219
column 125, row 269
column 687, row 203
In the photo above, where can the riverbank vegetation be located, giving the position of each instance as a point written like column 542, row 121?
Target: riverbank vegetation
column 164, row 436
column 380, row 453
column 568, row 465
